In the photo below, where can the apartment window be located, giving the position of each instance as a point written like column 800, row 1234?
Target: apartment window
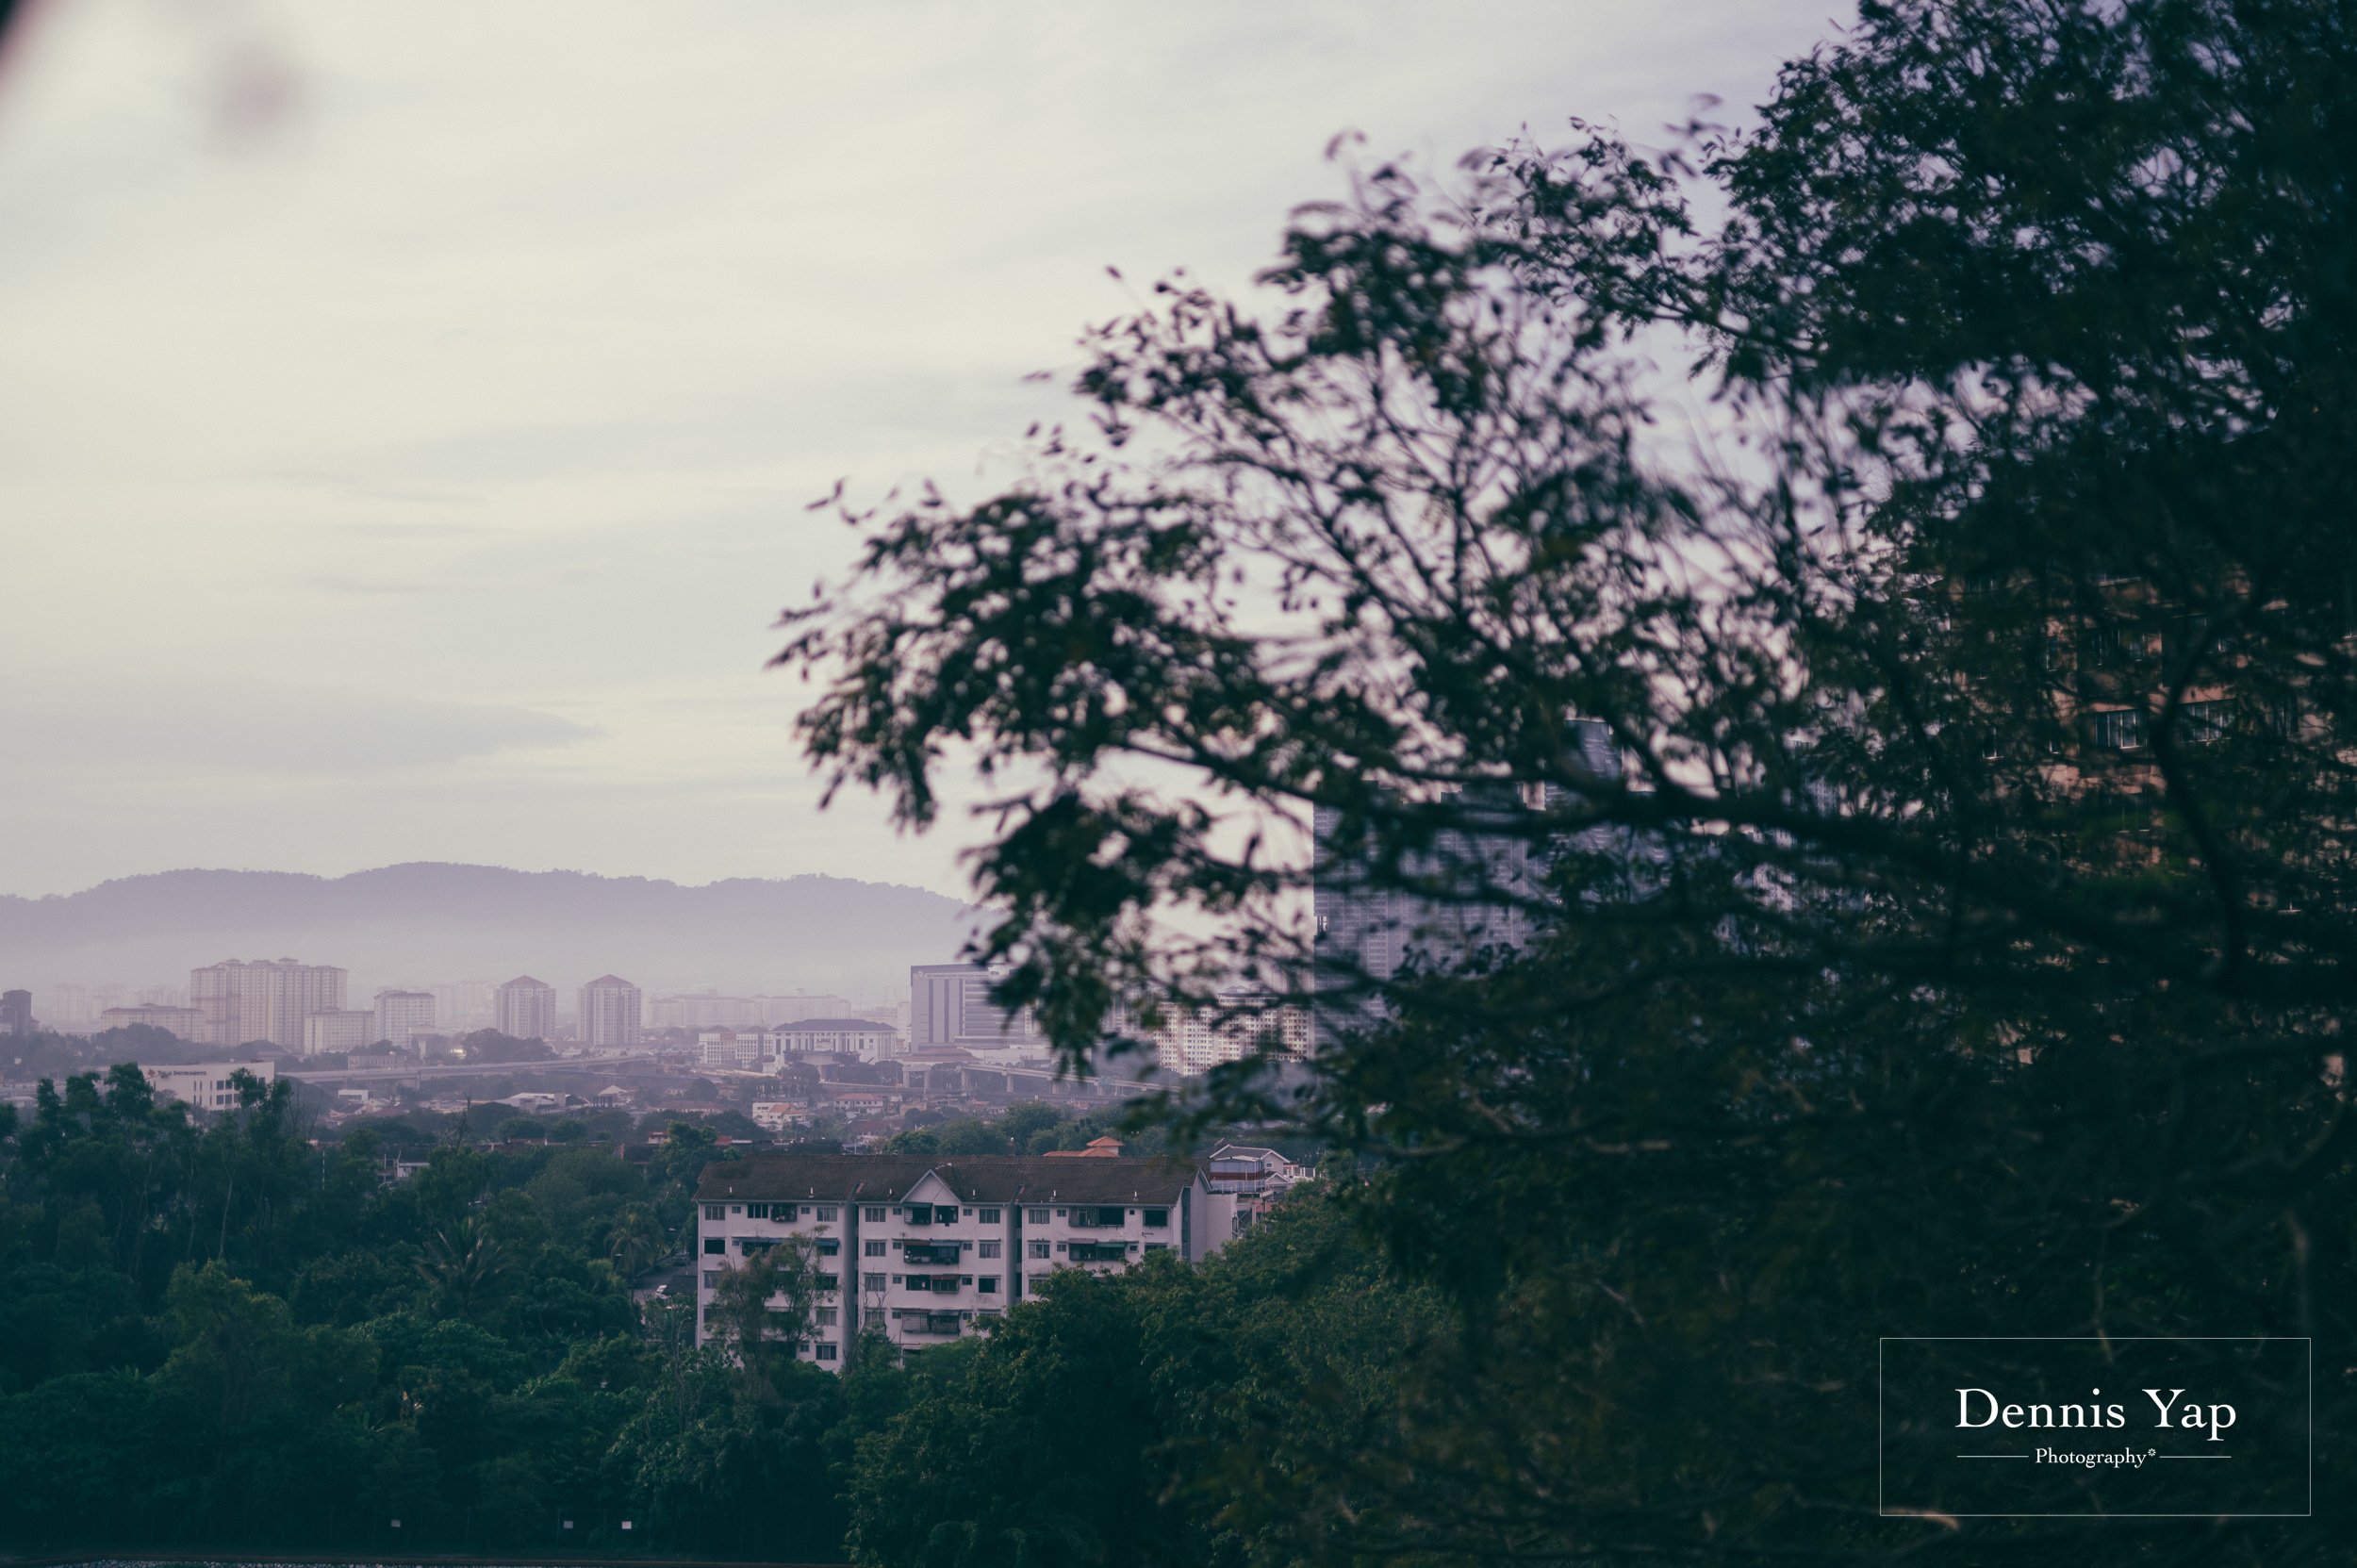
column 872, row 1249
column 827, row 1316
column 1037, row 1216
column 989, row 1285
column 711, row 1279
column 1037, row 1249
column 828, row 1281
column 875, row 1216
column 1037, row 1280
column 736, row 1208
column 992, row 1249
column 1158, row 1247
column 873, row 1318
column 761, row 1210
column 826, row 1352
column 716, row 1244
column 829, row 1247
column 1059, row 1247
column 826, row 1214
column 2118, row 647
column 991, row 1216
column 2205, row 723
column 2118, row 730
column 899, row 1279
column 872, row 1282
column 715, row 1210
column 1156, row 1219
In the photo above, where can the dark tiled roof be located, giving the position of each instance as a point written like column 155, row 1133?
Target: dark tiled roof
column 977, row 1178
column 840, row 1177
column 1030, row 1180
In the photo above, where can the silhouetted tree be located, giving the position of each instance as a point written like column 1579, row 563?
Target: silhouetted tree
column 1885, row 858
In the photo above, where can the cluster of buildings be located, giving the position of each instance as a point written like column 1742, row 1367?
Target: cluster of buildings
column 922, row 1250
column 300, row 1007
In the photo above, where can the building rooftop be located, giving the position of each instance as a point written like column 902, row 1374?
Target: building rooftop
column 977, row 1178
column 1098, row 1148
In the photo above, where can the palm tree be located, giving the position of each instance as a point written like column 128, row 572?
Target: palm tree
column 458, row 1262
column 639, row 1239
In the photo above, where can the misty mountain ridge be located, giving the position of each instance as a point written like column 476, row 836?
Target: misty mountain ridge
column 430, row 922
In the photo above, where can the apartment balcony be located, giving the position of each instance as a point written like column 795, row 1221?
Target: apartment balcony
column 931, row 1253
column 940, row 1285
column 1098, row 1252
column 932, row 1323
column 1098, row 1219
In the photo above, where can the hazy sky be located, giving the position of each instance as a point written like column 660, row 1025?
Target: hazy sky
column 407, row 412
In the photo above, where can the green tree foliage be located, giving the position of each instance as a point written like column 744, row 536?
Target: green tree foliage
column 1165, row 1416
column 1940, row 912
column 224, row 1335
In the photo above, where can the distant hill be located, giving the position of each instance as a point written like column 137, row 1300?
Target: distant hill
column 428, row 923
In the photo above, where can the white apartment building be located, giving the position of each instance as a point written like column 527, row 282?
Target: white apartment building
column 206, row 1085
column 401, row 1014
column 527, row 1009
column 343, row 1030
column 265, row 1000
column 609, row 1013
column 463, row 1006
column 922, row 1250
column 1243, row 1022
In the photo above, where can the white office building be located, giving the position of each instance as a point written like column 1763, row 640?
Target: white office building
column 862, row 1037
column 949, row 1007
column 206, row 1085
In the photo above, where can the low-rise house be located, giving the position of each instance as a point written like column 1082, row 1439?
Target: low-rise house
column 1245, row 1180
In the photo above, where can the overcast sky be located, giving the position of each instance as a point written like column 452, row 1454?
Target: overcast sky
column 407, row 412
